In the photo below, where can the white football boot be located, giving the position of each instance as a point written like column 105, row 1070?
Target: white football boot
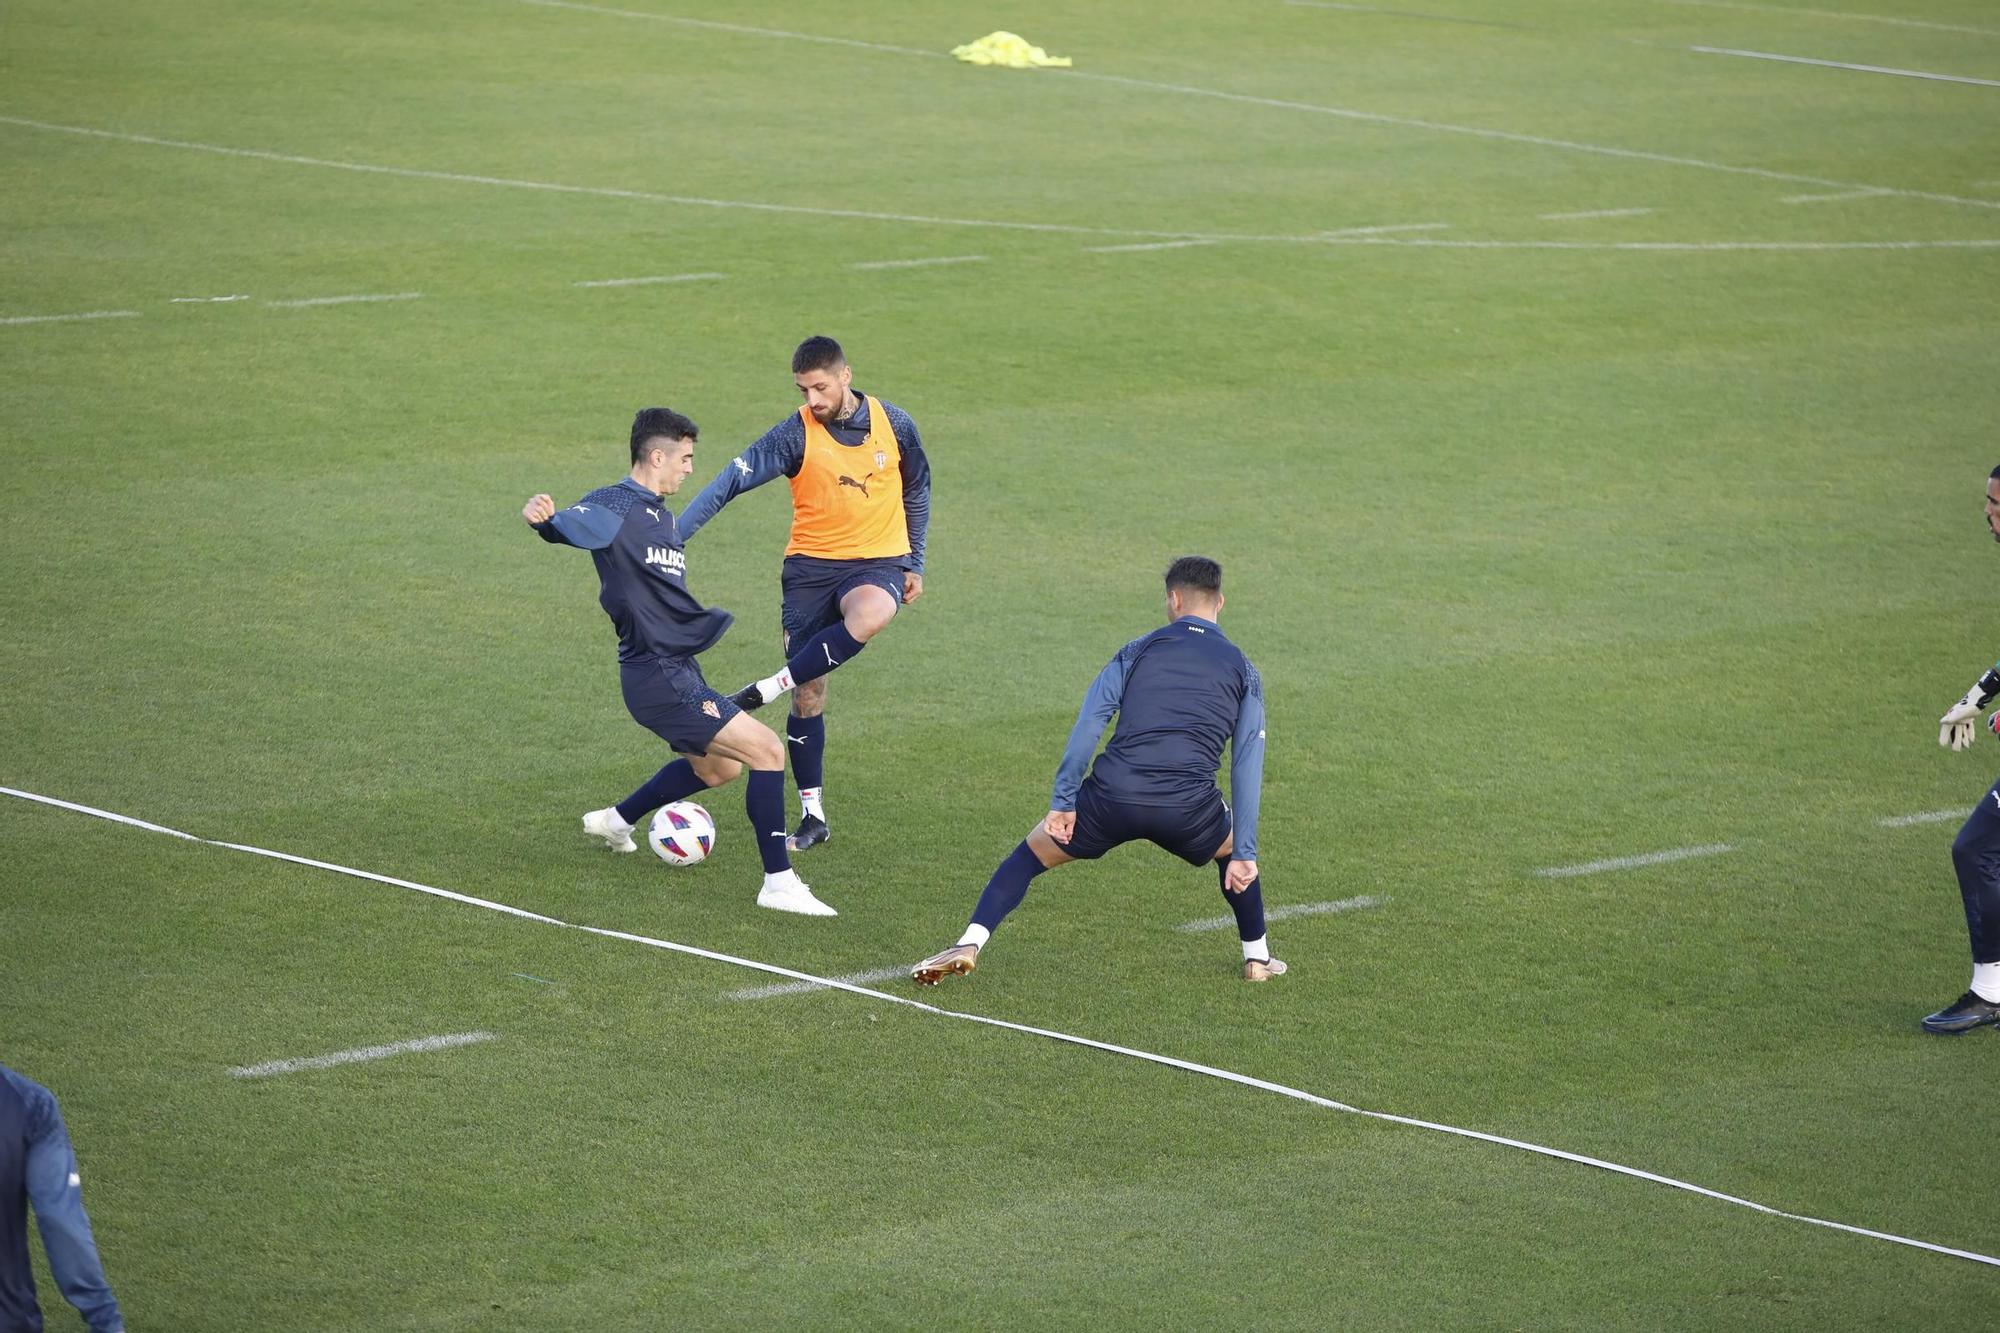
column 786, row 892
column 606, row 824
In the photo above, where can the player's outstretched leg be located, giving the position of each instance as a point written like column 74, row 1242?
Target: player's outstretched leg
column 1003, row 894
column 758, row 747
column 676, row 782
column 1975, row 854
column 864, row 611
column 1248, row 906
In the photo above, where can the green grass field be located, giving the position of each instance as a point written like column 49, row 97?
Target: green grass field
column 1556, row 538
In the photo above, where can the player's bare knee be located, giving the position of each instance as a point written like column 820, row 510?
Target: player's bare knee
column 866, row 610
column 865, row 624
column 767, row 751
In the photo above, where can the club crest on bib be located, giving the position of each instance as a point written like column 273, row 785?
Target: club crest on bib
column 881, row 458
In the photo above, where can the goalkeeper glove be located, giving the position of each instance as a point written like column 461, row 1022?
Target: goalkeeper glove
column 1955, row 727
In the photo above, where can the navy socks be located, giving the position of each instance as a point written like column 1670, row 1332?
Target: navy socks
column 1248, row 905
column 824, row 651
column 1009, row 886
column 764, row 800
column 676, row 782
column 805, row 737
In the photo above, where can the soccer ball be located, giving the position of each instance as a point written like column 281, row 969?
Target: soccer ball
column 682, row 833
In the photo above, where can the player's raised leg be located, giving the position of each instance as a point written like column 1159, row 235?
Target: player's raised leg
column 1004, row 892
column 864, row 611
column 676, row 782
column 757, row 747
column 1975, row 855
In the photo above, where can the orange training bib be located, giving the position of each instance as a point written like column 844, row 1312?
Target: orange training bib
column 847, row 501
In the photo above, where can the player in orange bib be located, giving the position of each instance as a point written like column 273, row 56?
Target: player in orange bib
column 861, row 501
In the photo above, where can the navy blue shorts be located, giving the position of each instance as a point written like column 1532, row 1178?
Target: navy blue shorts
column 668, row 697
column 1191, row 832
column 813, row 589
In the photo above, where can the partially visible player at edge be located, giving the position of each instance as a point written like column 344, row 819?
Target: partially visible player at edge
column 642, row 577
column 1975, row 854
column 861, row 502
column 1179, row 693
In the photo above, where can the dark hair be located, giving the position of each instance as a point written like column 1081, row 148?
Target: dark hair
column 818, row 352
column 1197, row 573
column 654, row 422
column 1994, row 473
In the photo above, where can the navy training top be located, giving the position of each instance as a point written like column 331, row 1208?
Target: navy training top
column 1180, row 693
column 37, row 1165
column 641, row 571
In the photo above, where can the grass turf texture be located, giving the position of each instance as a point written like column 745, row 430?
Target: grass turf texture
column 1546, row 556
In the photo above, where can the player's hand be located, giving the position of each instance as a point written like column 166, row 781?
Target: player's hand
column 1060, row 825
column 913, row 586
column 1240, row 876
column 539, row 509
column 1955, row 728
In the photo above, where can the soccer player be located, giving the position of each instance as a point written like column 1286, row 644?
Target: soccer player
column 1179, row 693
column 861, row 502
column 1976, row 851
column 38, row 1166
column 642, row 577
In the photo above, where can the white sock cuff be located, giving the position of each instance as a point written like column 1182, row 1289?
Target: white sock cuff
column 1258, row 949
column 976, row 934
column 1986, row 982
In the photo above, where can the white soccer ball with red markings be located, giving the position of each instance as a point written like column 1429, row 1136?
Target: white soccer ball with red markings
column 682, row 833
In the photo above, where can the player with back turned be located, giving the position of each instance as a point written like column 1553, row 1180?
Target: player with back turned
column 861, row 497
column 642, row 585
column 1975, row 854
column 1181, row 693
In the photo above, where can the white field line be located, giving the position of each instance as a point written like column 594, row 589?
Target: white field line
column 1835, row 14
column 920, row 263
column 1842, row 197
column 1842, row 64
column 885, row 997
column 1594, row 213
column 65, row 319
column 348, row 300
column 1927, row 817
column 648, row 196
column 361, row 1053
column 806, row 987
column 1632, row 862
column 648, row 282
column 1292, row 910
column 1312, row 108
column 1384, row 231
column 206, row 300
column 1056, row 228
column 1142, row 245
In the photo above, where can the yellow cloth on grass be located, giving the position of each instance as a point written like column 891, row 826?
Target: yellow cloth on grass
column 1009, row 49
